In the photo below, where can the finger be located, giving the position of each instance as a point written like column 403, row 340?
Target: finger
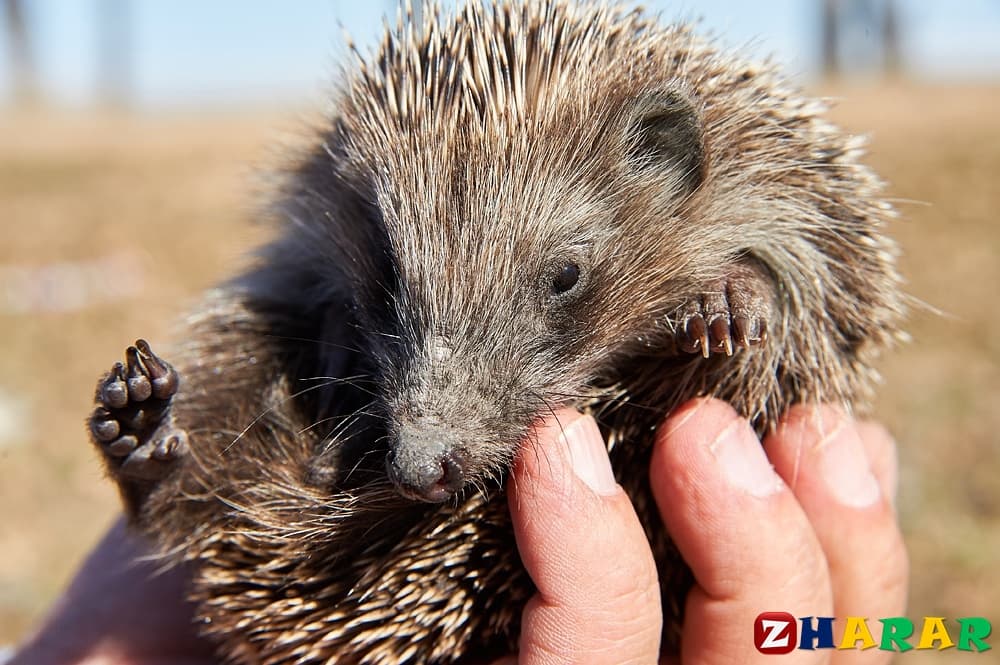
column 737, row 525
column 120, row 609
column 880, row 448
column 820, row 454
column 598, row 599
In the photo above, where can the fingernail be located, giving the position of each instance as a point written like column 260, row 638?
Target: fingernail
column 743, row 462
column 844, row 467
column 589, row 456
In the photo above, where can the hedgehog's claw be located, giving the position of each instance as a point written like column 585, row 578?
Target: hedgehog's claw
column 132, row 425
column 163, row 377
column 729, row 314
column 694, row 335
column 113, row 391
column 749, row 331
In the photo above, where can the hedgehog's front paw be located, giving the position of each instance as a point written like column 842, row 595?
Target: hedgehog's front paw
column 731, row 312
column 131, row 425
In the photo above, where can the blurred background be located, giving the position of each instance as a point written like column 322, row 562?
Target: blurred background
column 136, row 139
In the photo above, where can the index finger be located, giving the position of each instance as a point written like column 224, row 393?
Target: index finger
column 598, row 598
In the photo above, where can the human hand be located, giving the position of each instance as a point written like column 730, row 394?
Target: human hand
column 742, row 530
column 119, row 610
column 815, row 535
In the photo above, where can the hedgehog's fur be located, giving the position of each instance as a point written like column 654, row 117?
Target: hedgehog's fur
column 461, row 161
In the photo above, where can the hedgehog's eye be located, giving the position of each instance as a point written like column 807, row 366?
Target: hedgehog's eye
column 566, row 278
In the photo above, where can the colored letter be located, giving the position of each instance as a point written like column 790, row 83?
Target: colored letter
column 774, row 632
column 822, row 634
column 857, row 629
column 934, row 630
column 894, row 634
column 974, row 630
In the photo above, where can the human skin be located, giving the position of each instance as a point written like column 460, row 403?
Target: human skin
column 804, row 525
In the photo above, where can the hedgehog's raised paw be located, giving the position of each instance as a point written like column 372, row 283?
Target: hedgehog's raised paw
column 131, row 425
column 730, row 313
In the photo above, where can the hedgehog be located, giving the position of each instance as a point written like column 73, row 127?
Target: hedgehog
column 510, row 208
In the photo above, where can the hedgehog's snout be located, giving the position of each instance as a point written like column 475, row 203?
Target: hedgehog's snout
column 424, row 464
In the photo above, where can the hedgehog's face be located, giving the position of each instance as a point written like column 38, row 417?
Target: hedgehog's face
column 519, row 273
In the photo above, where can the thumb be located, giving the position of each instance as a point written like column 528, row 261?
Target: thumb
column 598, row 598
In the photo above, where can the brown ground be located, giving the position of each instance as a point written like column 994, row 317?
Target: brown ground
column 164, row 200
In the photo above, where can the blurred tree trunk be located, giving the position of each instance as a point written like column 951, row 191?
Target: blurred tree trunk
column 829, row 40
column 24, row 77
column 114, row 48
column 892, row 60
column 860, row 35
column 399, row 6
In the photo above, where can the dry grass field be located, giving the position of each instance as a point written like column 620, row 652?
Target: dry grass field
column 112, row 224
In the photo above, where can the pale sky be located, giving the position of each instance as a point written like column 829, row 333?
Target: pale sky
column 193, row 53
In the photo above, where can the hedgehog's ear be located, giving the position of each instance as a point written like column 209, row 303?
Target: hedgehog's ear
column 666, row 132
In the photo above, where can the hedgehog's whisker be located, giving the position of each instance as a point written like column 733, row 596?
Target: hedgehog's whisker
column 269, row 410
column 309, row 340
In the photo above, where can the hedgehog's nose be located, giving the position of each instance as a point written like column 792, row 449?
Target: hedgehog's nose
column 424, row 467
